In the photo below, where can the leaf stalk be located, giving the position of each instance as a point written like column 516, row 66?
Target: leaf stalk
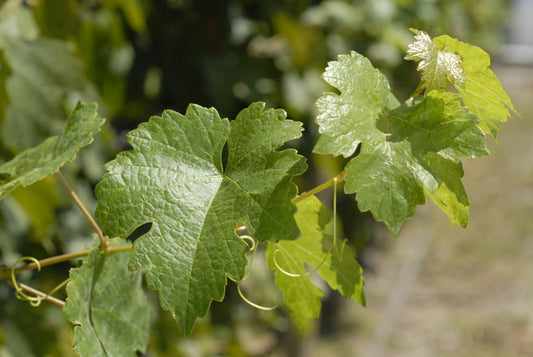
column 339, row 178
column 99, row 233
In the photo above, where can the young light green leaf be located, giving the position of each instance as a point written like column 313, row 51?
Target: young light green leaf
column 175, row 178
column 107, row 304
column 42, row 72
column 437, row 66
column 301, row 296
column 37, row 162
column 467, row 67
column 390, row 173
column 345, row 124
column 393, row 167
column 481, row 92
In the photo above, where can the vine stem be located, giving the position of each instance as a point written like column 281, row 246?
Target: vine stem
column 103, row 242
column 52, row 260
column 66, row 257
column 121, row 248
column 339, row 178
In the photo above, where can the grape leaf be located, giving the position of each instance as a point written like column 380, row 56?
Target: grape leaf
column 345, row 124
column 175, row 178
column 482, row 92
column 107, row 304
column 467, row 67
column 37, row 162
column 450, row 195
column 397, row 161
column 437, row 66
column 42, row 72
column 301, row 296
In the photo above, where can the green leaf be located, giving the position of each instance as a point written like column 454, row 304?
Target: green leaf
column 482, row 92
column 467, row 68
column 175, row 178
column 43, row 71
column 107, row 304
column 437, row 66
column 344, row 124
column 301, row 296
column 35, row 163
column 450, row 195
column 403, row 150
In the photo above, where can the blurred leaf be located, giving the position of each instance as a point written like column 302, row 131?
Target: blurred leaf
column 39, row 201
column 133, row 12
column 342, row 273
column 57, row 18
column 35, row 163
column 107, row 55
column 175, row 178
column 107, row 304
column 338, row 14
column 302, row 41
column 42, row 72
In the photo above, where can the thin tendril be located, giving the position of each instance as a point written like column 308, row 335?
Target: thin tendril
column 264, row 308
column 253, row 250
column 301, row 275
column 56, row 289
column 19, row 291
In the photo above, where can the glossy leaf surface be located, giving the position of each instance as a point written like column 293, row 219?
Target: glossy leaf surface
column 176, row 178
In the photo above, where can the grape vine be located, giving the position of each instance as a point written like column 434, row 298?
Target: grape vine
column 208, row 214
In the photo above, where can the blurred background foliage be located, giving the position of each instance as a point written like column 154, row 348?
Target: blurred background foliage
column 139, row 57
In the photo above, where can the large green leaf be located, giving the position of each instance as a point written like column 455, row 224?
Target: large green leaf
column 107, row 304
column 43, row 71
column 37, row 162
column 175, row 178
column 342, row 273
column 403, row 149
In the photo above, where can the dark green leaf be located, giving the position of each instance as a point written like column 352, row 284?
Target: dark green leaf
column 175, row 178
